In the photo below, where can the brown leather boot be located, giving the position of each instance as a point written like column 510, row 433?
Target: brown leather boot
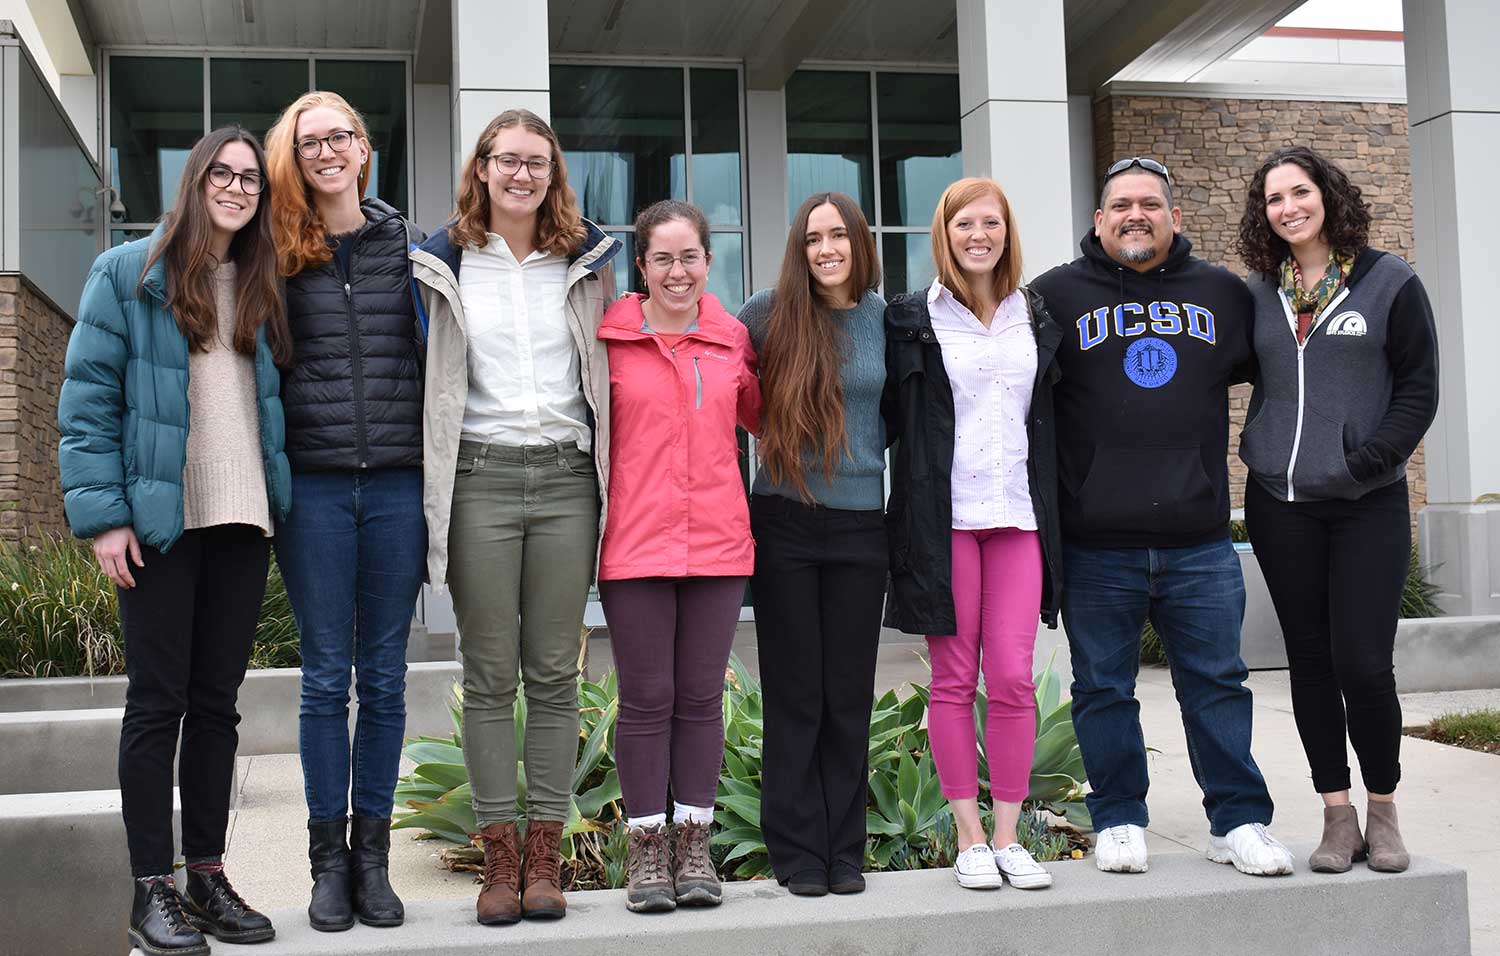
column 543, row 898
column 1342, row 845
column 693, row 867
column 1387, row 851
column 500, row 897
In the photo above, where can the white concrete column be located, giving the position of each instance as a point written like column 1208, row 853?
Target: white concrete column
column 765, row 157
column 1013, row 93
column 1453, row 101
column 500, row 62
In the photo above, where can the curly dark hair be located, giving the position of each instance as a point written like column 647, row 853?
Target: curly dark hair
column 1346, row 215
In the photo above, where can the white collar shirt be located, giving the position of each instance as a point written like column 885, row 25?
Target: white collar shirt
column 991, row 371
column 525, row 378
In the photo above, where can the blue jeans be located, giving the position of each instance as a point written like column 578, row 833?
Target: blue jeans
column 352, row 553
column 1195, row 598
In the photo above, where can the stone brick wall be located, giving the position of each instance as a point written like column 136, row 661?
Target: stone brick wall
column 33, row 340
column 1214, row 146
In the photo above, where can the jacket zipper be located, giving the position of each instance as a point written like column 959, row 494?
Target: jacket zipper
column 698, row 381
column 359, row 380
column 1291, row 465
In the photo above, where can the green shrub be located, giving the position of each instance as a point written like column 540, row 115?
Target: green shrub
column 59, row 617
column 907, row 818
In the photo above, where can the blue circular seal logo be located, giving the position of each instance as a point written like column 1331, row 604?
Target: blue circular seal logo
column 1150, row 362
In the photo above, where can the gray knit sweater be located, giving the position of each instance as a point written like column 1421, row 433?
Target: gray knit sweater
column 858, row 482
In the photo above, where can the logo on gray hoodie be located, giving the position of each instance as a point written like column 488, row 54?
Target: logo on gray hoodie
column 1347, row 323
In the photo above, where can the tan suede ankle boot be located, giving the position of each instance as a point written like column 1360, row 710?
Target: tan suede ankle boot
column 1342, row 845
column 1387, row 852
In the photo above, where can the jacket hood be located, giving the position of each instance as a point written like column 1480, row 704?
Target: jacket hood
column 1093, row 250
column 597, row 248
column 625, row 317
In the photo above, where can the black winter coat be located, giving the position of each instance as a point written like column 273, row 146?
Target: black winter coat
column 918, row 405
column 353, row 399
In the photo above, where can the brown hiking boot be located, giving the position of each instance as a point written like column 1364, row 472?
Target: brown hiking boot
column 693, row 872
column 1342, row 845
column 649, row 871
column 500, row 897
column 543, row 898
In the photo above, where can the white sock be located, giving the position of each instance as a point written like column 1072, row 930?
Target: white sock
column 654, row 820
column 682, row 813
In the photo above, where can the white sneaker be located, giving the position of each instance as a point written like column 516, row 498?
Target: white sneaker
column 1252, row 849
column 976, row 870
column 1121, row 849
column 1021, row 869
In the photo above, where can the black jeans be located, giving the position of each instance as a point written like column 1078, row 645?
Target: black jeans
column 189, row 623
column 818, row 589
column 1335, row 570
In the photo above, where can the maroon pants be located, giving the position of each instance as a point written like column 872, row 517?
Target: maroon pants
column 670, row 638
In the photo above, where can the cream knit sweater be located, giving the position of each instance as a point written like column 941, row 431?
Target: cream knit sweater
column 224, row 480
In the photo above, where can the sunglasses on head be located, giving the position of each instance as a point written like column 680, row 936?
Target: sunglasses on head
column 1146, row 163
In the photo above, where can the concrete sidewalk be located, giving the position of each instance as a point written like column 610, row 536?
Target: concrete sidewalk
column 1443, row 796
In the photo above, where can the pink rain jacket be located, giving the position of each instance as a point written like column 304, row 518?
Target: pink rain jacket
column 676, row 498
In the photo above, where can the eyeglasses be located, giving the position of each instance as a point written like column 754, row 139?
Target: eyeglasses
column 223, row 176
column 510, row 164
column 661, row 262
column 311, row 147
column 1145, row 162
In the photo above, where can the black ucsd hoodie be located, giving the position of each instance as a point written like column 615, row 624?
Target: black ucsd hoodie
column 1143, row 404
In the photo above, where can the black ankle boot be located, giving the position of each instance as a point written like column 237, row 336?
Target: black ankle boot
column 213, row 907
column 370, row 849
column 157, row 924
column 332, row 906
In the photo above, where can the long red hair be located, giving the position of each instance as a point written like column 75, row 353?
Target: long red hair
column 559, row 223
column 301, row 236
column 1006, row 276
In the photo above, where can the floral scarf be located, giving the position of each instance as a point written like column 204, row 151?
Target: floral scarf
column 1308, row 304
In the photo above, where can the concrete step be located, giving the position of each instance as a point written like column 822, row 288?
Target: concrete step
column 1185, row 905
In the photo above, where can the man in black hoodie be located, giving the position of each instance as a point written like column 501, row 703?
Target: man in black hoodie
column 1153, row 339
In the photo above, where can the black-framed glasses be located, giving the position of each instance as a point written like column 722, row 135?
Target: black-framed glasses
column 222, row 176
column 662, row 262
column 311, row 147
column 1145, row 162
column 510, row 164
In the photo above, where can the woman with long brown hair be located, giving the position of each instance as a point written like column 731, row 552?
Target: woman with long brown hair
column 517, row 448
column 820, row 563
column 353, row 548
column 171, row 460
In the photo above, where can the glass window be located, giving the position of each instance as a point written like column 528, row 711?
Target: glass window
column 920, row 144
column 377, row 88
column 155, row 117
column 907, row 258
column 627, row 277
column 253, row 92
column 726, row 275
column 828, row 139
column 121, row 236
column 621, row 130
column 716, row 145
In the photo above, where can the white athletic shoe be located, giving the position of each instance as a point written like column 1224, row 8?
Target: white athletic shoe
column 1252, row 849
column 1021, row 869
column 1121, row 849
column 976, row 870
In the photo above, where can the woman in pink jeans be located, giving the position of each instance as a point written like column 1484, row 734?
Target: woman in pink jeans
column 972, row 517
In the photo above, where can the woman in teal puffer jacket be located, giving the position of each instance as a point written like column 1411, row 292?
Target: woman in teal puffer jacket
column 172, row 461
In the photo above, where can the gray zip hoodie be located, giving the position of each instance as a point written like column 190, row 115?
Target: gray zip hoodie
column 1339, row 415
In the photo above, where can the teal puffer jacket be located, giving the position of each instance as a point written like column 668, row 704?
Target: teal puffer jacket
column 124, row 406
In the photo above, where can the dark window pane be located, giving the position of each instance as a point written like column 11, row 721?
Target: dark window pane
column 155, row 117
column 920, row 144
column 828, row 137
column 716, row 145
column 907, row 257
column 377, row 88
column 621, row 130
column 253, row 93
column 627, row 276
column 726, row 276
column 118, row 237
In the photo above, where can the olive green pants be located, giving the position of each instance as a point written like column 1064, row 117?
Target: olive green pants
column 525, row 525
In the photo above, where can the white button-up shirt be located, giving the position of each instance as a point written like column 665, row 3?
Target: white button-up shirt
column 525, row 383
column 991, row 371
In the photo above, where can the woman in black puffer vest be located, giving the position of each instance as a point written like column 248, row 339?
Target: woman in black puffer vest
column 352, row 551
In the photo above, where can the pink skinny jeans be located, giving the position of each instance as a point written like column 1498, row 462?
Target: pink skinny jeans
column 997, row 593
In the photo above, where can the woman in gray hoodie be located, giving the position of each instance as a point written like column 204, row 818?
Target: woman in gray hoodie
column 1347, row 386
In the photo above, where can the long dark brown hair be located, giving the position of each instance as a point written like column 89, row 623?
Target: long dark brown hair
column 185, row 244
column 559, row 224
column 1346, row 215
column 801, row 385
